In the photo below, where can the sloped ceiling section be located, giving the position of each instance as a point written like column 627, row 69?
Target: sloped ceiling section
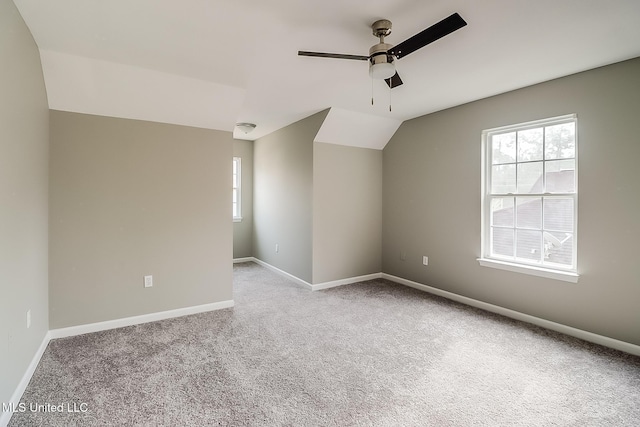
column 212, row 63
column 344, row 127
column 85, row 85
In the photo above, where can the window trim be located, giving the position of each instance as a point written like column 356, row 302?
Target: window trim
column 565, row 274
column 238, row 188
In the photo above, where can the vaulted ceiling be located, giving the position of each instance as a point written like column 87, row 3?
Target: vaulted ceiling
column 212, row 63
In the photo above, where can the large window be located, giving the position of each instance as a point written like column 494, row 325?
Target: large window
column 529, row 203
column 236, row 179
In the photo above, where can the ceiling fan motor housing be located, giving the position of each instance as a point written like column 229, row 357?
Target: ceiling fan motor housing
column 381, row 64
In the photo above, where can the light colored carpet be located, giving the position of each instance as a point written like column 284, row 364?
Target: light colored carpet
column 367, row 354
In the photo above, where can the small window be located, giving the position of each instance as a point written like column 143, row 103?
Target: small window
column 236, row 178
column 529, row 203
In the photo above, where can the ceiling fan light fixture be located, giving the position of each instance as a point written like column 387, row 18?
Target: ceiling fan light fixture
column 381, row 64
column 245, row 127
column 382, row 70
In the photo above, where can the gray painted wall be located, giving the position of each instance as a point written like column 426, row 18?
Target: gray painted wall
column 283, row 196
column 24, row 147
column 431, row 198
column 132, row 198
column 243, row 231
column 320, row 203
column 347, row 212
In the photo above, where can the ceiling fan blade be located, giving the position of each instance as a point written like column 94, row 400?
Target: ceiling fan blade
column 333, row 55
column 394, row 81
column 447, row 26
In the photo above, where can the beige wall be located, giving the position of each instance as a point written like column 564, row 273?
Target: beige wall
column 24, row 146
column 282, row 203
column 431, row 197
column 132, row 198
column 243, row 231
column 320, row 203
column 347, row 212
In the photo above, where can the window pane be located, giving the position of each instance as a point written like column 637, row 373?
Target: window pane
column 530, row 145
column 529, row 212
column 502, row 211
column 502, row 241
column 530, row 177
column 560, row 176
column 503, row 148
column 235, row 180
column 503, row 179
column 558, row 214
column 560, row 141
column 529, row 244
column 558, row 248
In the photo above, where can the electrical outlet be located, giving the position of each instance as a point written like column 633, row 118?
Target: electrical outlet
column 277, row 248
column 425, row 260
column 403, row 255
column 28, row 318
column 148, row 281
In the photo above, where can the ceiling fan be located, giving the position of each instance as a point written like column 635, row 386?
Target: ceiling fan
column 382, row 56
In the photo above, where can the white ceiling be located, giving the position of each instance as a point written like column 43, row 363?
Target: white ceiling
column 212, row 63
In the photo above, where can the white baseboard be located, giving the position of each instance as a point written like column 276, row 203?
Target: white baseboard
column 558, row 327
column 347, row 281
column 5, row 417
column 246, row 259
column 283, row 273
column 137, row 320
column 318, row 286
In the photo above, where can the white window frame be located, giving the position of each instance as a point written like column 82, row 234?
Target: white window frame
column 236, row 182
column 569, row 274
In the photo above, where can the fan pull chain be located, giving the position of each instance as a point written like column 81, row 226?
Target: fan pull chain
column 371, row 90
column 389, row 95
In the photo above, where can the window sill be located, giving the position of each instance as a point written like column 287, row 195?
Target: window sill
column 237, row 219
column 566, row 276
